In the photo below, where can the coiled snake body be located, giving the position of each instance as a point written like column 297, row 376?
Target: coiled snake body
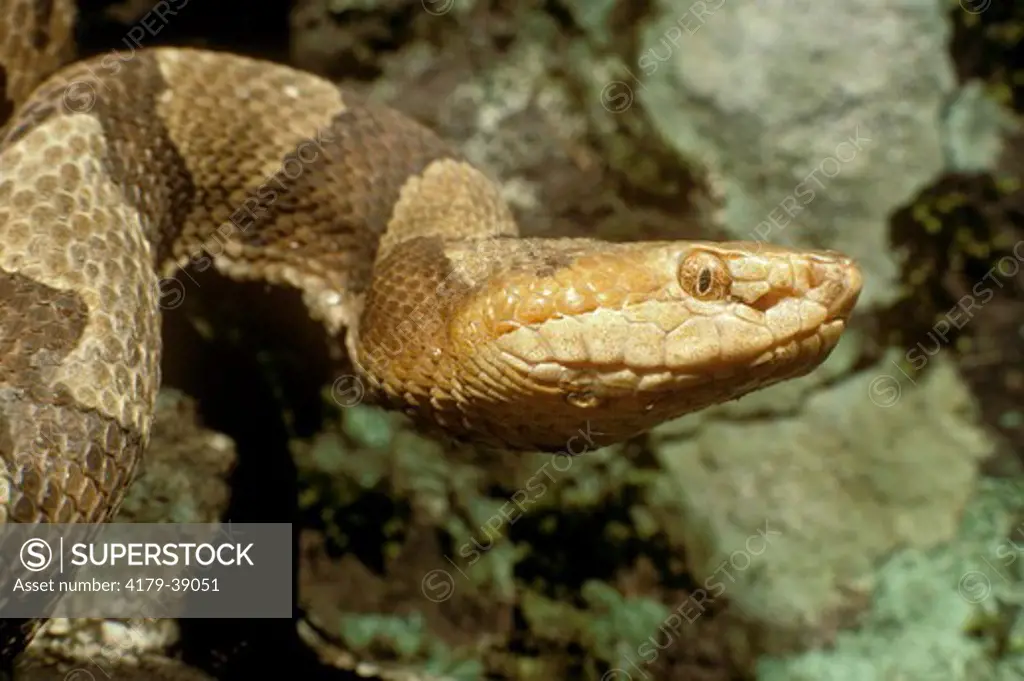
column 116, row 172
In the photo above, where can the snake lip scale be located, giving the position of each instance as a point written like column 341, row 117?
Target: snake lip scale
column 400, row 247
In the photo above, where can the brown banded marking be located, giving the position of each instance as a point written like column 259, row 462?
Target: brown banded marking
column 134, row 138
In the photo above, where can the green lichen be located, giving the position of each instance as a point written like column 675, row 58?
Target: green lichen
column 610, row 627
column 595, row 17
column 952, row 612
column 617, row 624
column 368, row 427
column 407, row 639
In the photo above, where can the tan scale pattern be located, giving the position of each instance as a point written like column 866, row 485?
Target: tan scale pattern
column 117, row 171
column 64, row 224
column 38, row 34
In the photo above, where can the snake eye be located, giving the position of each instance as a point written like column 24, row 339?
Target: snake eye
column 704, row 276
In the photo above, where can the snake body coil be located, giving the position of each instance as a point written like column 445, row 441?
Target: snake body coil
column 116, row 172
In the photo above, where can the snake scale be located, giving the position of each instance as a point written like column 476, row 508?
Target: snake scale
column 116, row 173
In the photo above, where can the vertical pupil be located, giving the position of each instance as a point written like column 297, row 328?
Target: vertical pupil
column 704, row 281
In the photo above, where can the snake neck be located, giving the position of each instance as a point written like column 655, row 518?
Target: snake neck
column 402, row 344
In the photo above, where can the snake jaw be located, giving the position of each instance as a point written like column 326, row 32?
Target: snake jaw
column 722, row 321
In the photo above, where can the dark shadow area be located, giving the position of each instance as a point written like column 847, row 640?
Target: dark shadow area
column 255, row 369
column 259, row 29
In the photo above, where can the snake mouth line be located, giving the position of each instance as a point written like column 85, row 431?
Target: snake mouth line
column 827, row 333
column 591, row 378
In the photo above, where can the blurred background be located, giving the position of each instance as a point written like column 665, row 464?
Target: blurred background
column 860, row 524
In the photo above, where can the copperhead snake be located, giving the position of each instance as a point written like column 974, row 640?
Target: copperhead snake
column 117, row 173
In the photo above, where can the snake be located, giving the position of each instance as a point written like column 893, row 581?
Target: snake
column 119, row 172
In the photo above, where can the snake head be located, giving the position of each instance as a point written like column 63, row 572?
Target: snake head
column 566, row 336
